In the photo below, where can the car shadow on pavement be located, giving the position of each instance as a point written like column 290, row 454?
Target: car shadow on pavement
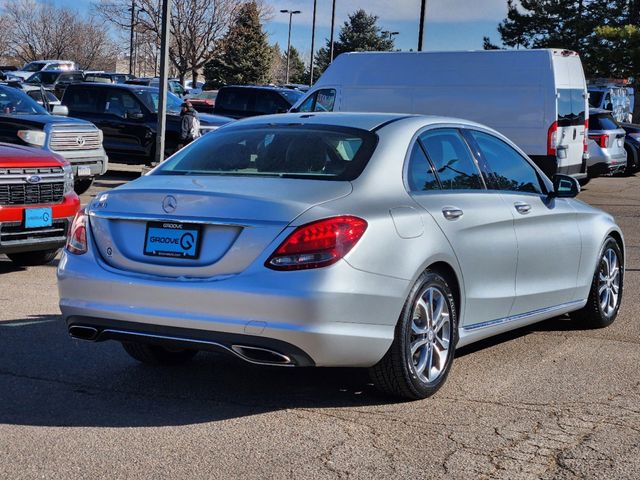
column 49, row 379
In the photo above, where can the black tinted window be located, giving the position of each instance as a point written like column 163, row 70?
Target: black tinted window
column 420, row 174
column 452, row 159
column 238, row 100
column 509, row 170
column 270, row 102
column 81, row 99
column 120, row 103
column 571, row 107
column 602, row 122
column 329, row 153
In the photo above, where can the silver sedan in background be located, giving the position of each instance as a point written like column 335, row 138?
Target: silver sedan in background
column 362, row 240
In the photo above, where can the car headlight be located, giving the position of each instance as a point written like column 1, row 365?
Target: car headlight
column 100, row 136
column 33, row 137
column 68, row 179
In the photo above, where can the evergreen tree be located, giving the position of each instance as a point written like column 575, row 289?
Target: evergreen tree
column 297, row 70
column 245, row 56
column 360, row 33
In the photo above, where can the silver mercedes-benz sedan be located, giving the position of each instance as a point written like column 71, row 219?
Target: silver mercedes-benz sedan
column 361, row 240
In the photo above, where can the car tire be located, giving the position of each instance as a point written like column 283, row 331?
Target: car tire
column 632, row 162
column 409, row 370
column 605, row 294
column 583, row 181
column 31, row 259
column 82, row 185
column 157, row 355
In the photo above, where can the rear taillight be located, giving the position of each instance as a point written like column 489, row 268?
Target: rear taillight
column 585, row 142
column 318, row 244
column 77, row 240
column 602, row 140
column 552, row 139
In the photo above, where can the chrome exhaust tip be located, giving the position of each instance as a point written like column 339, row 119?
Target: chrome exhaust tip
column 261, row 355
column 83, row 333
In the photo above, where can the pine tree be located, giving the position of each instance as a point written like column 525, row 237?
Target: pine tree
column 297, row 70
column 245, row 56
column 360, row 33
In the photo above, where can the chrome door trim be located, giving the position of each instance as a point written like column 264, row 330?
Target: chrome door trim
column 231, row 222
column 522, row 316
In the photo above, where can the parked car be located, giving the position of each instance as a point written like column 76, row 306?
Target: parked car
column 56, row 81
column 128, row 116
column 354, row 240
column 52, row 104
column 537, row 98
column 24, row 122
column 192, row 89
column 37, row 204
column 249, row 101
column 108, row 77
column 203, row 102
column 607, row 154
column 30, row 68
column 6, row 70
column 632, row 146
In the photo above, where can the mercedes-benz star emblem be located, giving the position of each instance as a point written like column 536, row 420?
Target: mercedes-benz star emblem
column 80, row 141
column 169, row 204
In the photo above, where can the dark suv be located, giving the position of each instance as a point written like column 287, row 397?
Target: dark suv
column 249, row 101
column 55, row 80
column 128, row 116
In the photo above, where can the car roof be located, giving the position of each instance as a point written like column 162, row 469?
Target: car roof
column 122, row 86
column 361, row 120
column 259, row 87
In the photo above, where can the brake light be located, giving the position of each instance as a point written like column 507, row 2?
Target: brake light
column 318, row 244
column 602, row 140
column 77, row 240
column 585, row 142
column 552, row 139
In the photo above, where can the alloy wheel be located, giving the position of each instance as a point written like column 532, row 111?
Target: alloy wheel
column 609, row 282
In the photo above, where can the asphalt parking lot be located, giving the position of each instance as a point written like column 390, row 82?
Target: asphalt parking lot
column 548, row 401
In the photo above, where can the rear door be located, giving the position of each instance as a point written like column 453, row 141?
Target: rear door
column 476, row 222
column 570, row 140
column 548, row 238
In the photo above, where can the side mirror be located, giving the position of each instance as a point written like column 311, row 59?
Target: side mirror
column 565, row 186
column 132, row 115
column 61, row 110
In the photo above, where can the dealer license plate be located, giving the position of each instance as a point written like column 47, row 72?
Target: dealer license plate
column 172, row 239
column 37, row 217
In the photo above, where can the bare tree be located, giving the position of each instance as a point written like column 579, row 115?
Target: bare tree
column 196, row 26
column 38, row 31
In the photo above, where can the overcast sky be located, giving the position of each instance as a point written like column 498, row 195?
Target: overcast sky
column 451, row 24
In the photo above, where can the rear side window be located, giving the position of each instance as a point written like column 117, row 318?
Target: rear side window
column 454, row 164
column 571, row 107
column 270, row 102
column 238, row 100
column 420, row 175
column 602, row 121
column 81, row 100
column 508, row 169
column 305, row 151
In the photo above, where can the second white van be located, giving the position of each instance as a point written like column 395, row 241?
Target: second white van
column 537, row 98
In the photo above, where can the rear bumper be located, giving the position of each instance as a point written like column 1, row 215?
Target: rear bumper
column 336, row 316
column 604, row 162
column 15, row 238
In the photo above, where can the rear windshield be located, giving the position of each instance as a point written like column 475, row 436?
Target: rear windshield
column 298, row 151
column 602, row 121
column 571, row 107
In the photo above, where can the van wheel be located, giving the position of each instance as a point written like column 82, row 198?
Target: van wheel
column 82, row 185
column 157, row 355
column 606, row 289
column 420, row 357
column 30, row 259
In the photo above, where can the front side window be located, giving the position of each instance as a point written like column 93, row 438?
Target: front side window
column 420, row 174
column 318, row 152
column 150, row 97
column 320, row 101
column 454, row 164
column 508, row 169
column 121, row 103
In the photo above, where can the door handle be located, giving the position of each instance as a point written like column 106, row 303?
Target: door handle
column 522, row 207
column 452, row 213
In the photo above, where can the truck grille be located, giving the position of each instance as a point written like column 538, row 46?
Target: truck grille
column 28, row 194
column 66, row 140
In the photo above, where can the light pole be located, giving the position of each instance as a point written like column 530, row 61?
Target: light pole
column 313, row 42
column 333, row 23
column 390, row 34
column 135, row 46
column 423, row 10
column 291, row 14
column 133, row 19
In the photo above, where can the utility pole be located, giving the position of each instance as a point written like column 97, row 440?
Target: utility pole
column 291, row 14
column 133, row 19
column 164, row 78
column 313, row 42
column 333, row 23
column 423, row 11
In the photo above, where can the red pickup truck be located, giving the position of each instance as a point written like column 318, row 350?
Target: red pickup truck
column 37, row 204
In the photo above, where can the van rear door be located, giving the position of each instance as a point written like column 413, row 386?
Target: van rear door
column 570, row 135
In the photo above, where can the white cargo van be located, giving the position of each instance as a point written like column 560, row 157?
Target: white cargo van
column 537, row 98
